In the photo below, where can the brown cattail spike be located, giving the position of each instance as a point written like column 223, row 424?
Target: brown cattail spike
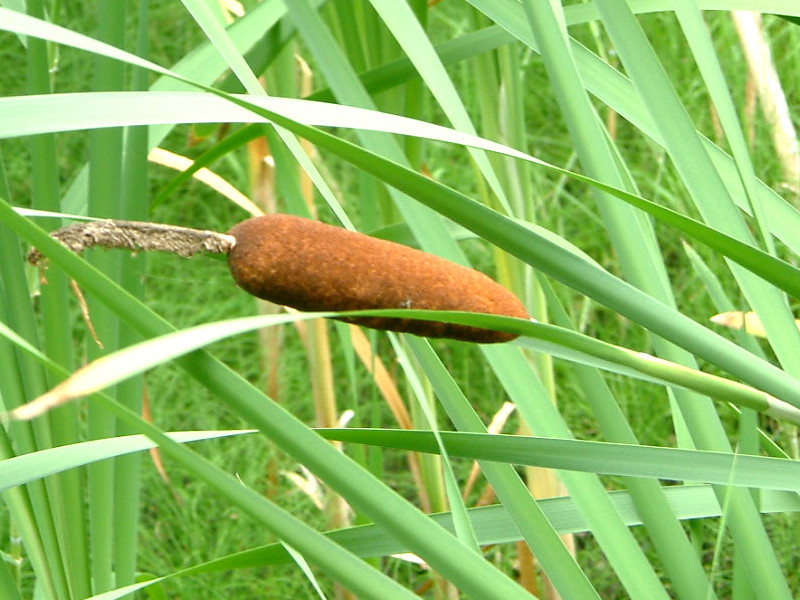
column 311, row 266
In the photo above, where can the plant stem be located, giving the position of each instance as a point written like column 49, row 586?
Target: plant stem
column 138, row 235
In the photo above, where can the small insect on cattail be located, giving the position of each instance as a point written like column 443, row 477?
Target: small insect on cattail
column 312, row 266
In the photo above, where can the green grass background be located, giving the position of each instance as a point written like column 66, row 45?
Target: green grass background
column 189, row 522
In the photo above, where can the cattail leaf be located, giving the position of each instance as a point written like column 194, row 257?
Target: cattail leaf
column 25, row 468
column 560, row 342
column 594, row 457
column 123, row 364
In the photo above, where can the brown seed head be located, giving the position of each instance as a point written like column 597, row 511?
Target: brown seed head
column 312, row 266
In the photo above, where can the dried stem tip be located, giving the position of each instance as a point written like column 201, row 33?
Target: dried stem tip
column 137, row 235
column 312, row 266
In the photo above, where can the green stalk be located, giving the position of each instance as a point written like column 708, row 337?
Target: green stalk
column 15, row 309
column 355, row 27
column 105, row 198
column 59, row 516
column 414, row 97
column 127, row 474
column 18, row 500
column 348, row 22
column 423, row 413
column 487, row 83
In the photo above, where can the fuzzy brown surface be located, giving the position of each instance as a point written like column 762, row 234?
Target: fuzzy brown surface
column 312, row 266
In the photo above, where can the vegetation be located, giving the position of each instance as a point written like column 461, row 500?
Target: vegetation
column 605, row 161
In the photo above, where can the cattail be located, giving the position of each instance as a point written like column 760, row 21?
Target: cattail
column 312, row 266
column 316, row 267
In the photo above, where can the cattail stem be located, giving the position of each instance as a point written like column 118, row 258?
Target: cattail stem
column 138, row 235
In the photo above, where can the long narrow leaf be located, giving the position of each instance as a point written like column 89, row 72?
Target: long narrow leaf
column 594, row 457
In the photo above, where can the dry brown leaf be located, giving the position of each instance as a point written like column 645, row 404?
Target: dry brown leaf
column 748, row 321
column 211, row 179
column 382, row 378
